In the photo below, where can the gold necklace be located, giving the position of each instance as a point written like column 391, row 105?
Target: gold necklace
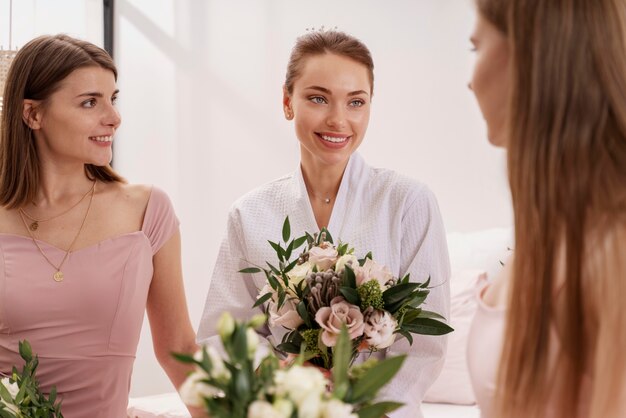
column 58, row 274
column 35, row 222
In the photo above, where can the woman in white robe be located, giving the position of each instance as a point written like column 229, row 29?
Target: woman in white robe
column 327, row 94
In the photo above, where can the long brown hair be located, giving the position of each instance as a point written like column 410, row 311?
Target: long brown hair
column 327, row 42
column 567, row 172
column 36, row 73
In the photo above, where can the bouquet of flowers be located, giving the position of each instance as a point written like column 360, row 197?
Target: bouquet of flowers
column 20, row 396
column 231, row 387
column 327, row 287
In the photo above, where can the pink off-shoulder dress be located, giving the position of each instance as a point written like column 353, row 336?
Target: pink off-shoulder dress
column 85, row 329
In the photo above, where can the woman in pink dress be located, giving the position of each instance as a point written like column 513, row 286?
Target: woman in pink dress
column 82, row 253
column 549, row 337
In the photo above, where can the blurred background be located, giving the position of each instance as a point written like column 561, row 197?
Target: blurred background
column 201, row 89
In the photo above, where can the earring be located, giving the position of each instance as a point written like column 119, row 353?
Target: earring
column 289, row 115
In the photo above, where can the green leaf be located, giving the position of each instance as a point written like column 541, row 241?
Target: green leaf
column 250, row 270
column 349, row 277
column 281, row 297
column 5, row 395
column 26, row 351
column 286, row 229
column 429, row 314
column 342, row 354
column 398, row 293
column 273, row 269
column 184, row 358
column 304, row 314
column 427, row 326
column 297, row 243
column 290, row 266
column 378, row 410
column 426, row 283
column 406, row 335
column 289, row 347
column 6, row 414
column 288, row 251
column 351, row 295
column 279, row 250
column 273, row 282
column 262, row 300
column 376, row 377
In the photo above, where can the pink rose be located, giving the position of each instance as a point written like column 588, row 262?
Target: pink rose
column 332, row 318
column 324, row 256
column 370, row 270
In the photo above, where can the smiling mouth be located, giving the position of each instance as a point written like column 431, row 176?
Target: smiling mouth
column 101, row 138
column 333, row 138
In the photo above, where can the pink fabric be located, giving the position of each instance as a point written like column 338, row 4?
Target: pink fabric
column 483, row 357
column 86, row 328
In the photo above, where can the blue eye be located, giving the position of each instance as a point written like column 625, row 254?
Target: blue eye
column 357, row 103
column 317, row 99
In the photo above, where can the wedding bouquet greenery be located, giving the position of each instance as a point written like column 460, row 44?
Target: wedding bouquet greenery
column 327, row 287
column 20, row 396
column 232, row 387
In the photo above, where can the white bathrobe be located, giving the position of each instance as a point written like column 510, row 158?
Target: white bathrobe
column 376, row 210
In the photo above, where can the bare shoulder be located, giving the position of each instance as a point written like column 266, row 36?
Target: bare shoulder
column 130, row 195
column 496, row 294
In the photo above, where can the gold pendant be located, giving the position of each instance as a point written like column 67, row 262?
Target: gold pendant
column 34, row 226
column 58, row 276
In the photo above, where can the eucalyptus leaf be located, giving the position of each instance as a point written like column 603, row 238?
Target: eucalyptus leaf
column 342, row 353
column 262, row 300
column 427, row 326
column 286, row 230
column 250, row 270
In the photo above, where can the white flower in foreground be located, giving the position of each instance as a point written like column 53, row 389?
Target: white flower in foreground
column 298, row 382
column 310, row 406
column 337, row 409
column 264, row 409
column 193, row 391
column 379, row 328
column 218, row 370
column 13, row 389
column 225, row 325
column 253, row 342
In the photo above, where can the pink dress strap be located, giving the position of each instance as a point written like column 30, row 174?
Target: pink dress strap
column 160, row 221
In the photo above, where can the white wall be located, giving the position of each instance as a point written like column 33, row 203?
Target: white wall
column 31, row 18
column 201, row 102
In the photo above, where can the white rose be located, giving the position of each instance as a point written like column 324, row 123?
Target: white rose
column 324, row 256
column 218, row 370
column 13, row 389
column 299, row 272
column 371, row 270
column 286, row 316
column 337, row 409
column 346, row 259
column 310, row 406
column 264, row 409
column 298, row 382
column 193, row 391
column 379, row 329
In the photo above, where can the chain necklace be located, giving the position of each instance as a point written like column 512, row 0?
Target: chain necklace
column 58, row 274
column 34, row 225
